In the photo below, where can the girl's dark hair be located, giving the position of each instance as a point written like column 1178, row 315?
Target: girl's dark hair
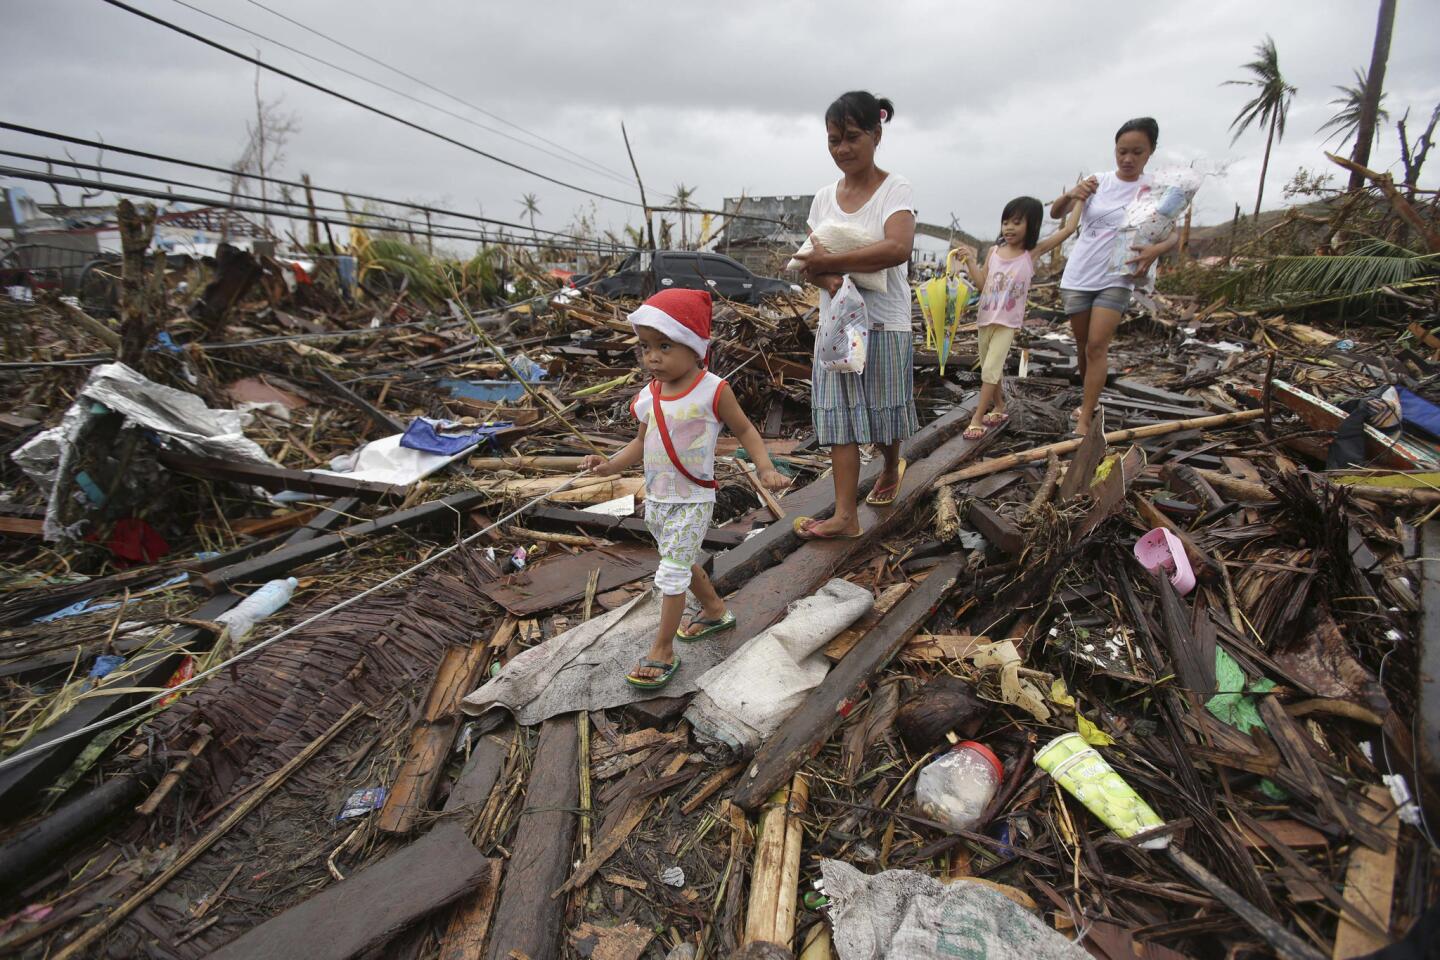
column 1145, row 125
column 861, row 108
column 1034, row 213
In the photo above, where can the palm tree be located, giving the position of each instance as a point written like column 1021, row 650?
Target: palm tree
column 682, row 200
column 529, row 207
column 1374, row 82
column 1269, row 106
column 1352, row 103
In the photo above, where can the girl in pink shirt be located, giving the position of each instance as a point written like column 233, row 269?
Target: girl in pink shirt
column 1004, row 282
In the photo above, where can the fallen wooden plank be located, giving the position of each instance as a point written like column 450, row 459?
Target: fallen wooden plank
column 1080, row 471
column 327, row 519
column 804, row 731
column 553, row 583
column 1134, row 388
column 432, row 737
column 526, row 919
column 22, row 527
column 846, row 639
column 368, row 908
column 464, row 937
column 289, row 557
column 1005, row 535
column 626, row 941
column 276, row 479
column 1370, row 881
column 737, row 565
column 81, row 944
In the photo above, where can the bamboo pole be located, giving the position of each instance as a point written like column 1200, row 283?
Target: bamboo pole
column 765, row 874
column 986, row 467
column 526, row 463
column 789, row 886
column 113, row 919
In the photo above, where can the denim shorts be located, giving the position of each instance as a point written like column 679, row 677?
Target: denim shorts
column 1079, row 301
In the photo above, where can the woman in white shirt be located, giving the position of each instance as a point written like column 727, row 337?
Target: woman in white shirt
column 1094, row 293
column 878, row 405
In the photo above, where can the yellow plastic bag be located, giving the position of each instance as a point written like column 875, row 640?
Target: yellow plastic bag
column 942, row 303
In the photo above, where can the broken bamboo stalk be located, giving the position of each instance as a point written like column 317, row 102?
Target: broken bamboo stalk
column 986, row 467
column 82, row 943
column 527, row 463
column 774, row 880
column 80, row 318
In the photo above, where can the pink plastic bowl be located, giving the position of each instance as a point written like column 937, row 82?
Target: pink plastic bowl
column 1162, row 550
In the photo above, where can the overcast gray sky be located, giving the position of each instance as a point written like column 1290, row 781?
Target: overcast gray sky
column 992, row 99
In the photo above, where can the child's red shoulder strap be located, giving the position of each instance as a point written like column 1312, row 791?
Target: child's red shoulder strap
column 659, row 415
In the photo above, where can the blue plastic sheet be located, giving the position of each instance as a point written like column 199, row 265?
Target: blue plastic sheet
column 437, row 436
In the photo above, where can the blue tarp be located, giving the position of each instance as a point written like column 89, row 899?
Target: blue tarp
column 1419, row 414
column 442, row 437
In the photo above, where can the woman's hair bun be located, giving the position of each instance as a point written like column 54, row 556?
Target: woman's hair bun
column 861, row 108
column 1145, row 125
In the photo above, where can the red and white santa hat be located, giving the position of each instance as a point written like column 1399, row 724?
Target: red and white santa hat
column 681, row 315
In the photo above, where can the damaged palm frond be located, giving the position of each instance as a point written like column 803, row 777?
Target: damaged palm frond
column 1370, row 269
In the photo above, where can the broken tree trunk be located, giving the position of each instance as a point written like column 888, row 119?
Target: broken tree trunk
column 526, row 919
column 805, row 730
column 367, row 909
column 136, row 226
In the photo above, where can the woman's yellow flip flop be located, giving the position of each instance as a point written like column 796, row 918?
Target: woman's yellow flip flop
column 875, row 501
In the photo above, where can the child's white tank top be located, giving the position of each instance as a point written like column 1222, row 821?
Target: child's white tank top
column 694, row 425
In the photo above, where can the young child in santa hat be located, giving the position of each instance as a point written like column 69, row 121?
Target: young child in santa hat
column 680, row 413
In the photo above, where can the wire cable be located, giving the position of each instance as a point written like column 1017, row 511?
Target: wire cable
column 60, row 179
column 353, row 101
column 586, row 165
column 431, row 86
column 389, row 221
column 279, row 181
column 24, row 755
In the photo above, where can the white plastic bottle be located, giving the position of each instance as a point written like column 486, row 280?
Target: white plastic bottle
column 956, row 788
column 256, row 607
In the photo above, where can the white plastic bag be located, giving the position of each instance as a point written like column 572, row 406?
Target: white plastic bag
column 842, row 238
column 1151, row 216
column 844, row 333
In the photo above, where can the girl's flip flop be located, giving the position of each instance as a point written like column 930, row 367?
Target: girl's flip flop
column 653, row 683
column 804, row 529
column 894, row 491
column 994, row 419
column 975, row 431
column 711, row 627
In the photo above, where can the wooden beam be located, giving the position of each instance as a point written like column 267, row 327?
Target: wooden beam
column 526, row 919
column 1370, row 882
column 1429, row 673
column 1320, row 415
column 276, row 479
column 381, row 418
column 368, row 908
column 735, row 566
column 807, row 729
column 996, row 529
column 432, row 737
column 290, row 557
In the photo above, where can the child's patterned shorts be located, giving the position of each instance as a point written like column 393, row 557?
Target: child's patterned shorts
column 679, row 531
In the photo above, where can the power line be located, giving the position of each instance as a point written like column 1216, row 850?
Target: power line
column 280, row 181
column 160, row 21
column 418, row 224
column 587, row 165
column 61, row 180
column 430, row 86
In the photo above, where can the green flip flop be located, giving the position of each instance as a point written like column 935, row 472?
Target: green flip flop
column 654, row 683
column 712, row 627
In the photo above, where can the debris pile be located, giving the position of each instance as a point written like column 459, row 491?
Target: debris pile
column 313, row 640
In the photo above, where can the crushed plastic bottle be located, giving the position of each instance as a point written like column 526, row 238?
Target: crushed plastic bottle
column 256, row 607
column 956, row 788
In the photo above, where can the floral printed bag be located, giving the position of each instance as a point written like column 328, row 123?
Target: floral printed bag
column 844, row 333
